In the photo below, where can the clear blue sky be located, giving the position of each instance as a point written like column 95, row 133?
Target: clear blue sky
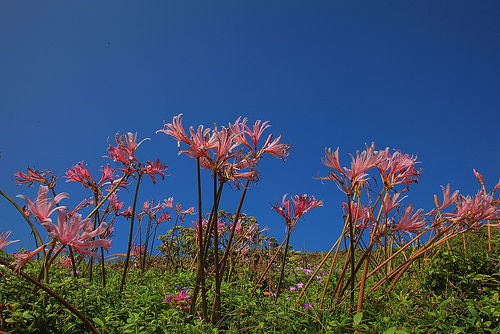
column 419, row 76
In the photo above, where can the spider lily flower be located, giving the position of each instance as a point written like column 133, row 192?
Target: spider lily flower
column 364, row 161
column 411, row 222
column 108, row 174
column 447, row 199
column 181, row 299
column 389, row 203
column 22, row 258
column 155, row 168
column 275, row 148
column 137, row 251
column 175, row 129
column 65, row 262
column 165, row 216
column 42, row 208
column 3, row 239
column 472, row 210
column 398, row 168
column 362, row 214
column 303, row 203
column 331, row 160
column 126, row 145
column 77, row 233
column 126, row 213
column 169, row 203
column 30, row 177
column 79, row 173
column 284, row 209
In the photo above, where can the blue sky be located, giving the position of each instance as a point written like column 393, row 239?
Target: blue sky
column 419, row 76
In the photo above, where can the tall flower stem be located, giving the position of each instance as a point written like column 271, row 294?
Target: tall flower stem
column 216, row 308
column 146, row 245
column 233, row 228
column 33, row 228
column 73, row 264
column 131, row 232
column 283, row 262
column 200, row 274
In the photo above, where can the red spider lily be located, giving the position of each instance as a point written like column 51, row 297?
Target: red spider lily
column 411, row 222
column 126, row 145
column 150, row 210
column 331, row 160
column 181, row 299
column 398, row 168
column 41, row 208
column 165, row 216
column 107, row 174
column 389, row 203
column 3, row 239
column 300, row 205
column 30, row 177
column 364, row 161
column 79, row 173
column 284, row 209
column 176, row 130
column 169, row 203
column 137, row 251
column 23, row 258
column 362, row 214
column 116, row 205
column 200, row 142
column 126, row 213
column 155, row 168
column 447, row 199
column 77, row 233
column 303, row 203
column 65, row 262
column 472, row 210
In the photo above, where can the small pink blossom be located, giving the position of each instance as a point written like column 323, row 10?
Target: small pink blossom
column 3, row 239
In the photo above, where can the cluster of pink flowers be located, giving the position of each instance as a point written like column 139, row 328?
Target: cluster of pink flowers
column 181, row 299
column 220, row 149
column 292, row 209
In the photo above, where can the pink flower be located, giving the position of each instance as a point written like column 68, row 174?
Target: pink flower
column 79, row 173
column 300, row 205
column 175, row 129
column 3, row 239
column 303, row 203
column 169, row 203
column 331, row 160
column 364, row 161
column 181, row 299
column 411, row 222
column 447, row 199
column 155, row 168
column 23, row 258
column 41, row 208
column 65, row 262
column 107, row 174
column 389, row 203
column 29, row 178
column 472, row 210
column 78, row 233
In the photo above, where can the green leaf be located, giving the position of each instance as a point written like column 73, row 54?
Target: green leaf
column 99, row 322
column 357, row 318
column 390, row 330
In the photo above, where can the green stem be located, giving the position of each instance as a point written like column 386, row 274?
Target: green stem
column 131, row 232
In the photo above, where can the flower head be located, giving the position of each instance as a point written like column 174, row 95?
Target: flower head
column 42, row 208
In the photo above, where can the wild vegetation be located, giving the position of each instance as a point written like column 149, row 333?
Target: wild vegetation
column 392, row 269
